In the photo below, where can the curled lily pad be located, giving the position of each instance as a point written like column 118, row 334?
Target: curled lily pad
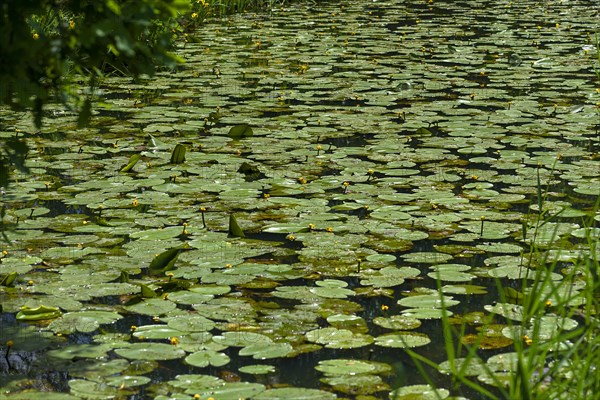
column 38, row 313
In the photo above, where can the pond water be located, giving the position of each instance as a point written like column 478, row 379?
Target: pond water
column 399, row 150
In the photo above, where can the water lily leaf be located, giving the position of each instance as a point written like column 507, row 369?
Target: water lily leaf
column 419, row 392
column 93, row 368
column 263, row 351
column 397, row 322
column 427, row 301
column 427, row 257
column 190, row 323
column 147, row 292
column 242, row 338
column 388, row 276
column 9, row 279
column 156, row 332
column 464, row 289
column 507, row 310
column 332, row 292
column 467, row 366
column 234, row 227
column 165, row 261
column 426, row 313
column 240, row 131
column 402, row 340
column 257, row 369
column 82, row 350
column 350, row 322
column 234, row 391
column 38, row 313
column 83, row 321
column 132, row 161
column 295, row 393
column 356, row 385
column 352, row 367
column 205, row 358
column 338, row 338
column 127, row 381
column 156, row 306
column 178, row 154
column 150, row 351
column 92, row 390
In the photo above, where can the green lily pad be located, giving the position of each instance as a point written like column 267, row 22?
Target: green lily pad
column 83, row 321
column 263, row 351
column 257, row 369
column 402, row 340
column 205, row 358
column 156, row 306
column 295, row 393
column 352, row 367
column 427, row 301
column 127, row 381
column 419, row 392
column 397, row 322
column 38, row 313
column 338, row 338
column 150, row 351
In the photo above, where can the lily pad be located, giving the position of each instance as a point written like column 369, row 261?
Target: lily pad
column 150, row 351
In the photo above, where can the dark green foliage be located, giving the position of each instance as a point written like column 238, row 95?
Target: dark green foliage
column 51, row 48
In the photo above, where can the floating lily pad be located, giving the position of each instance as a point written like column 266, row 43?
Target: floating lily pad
column 205, row 358
column 352, row 367
column 402, row 340
column 338, row 338
column 257, row 369
column 150, row 351
column 83, row 321
column 397, row 322
column 295, row 393
column 427, row 301
column 419, row 392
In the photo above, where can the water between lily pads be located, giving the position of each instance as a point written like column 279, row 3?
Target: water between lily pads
column 404, row 135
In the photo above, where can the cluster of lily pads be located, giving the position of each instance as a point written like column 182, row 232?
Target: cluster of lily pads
column 290, row 199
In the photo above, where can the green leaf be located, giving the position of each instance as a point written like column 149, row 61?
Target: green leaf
column 165, row 261
column 132, row 161
column 178, row 155
column 147, row 292
column 234, row 227
column 37, row 314
column 9, row 279
column 240, row 131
